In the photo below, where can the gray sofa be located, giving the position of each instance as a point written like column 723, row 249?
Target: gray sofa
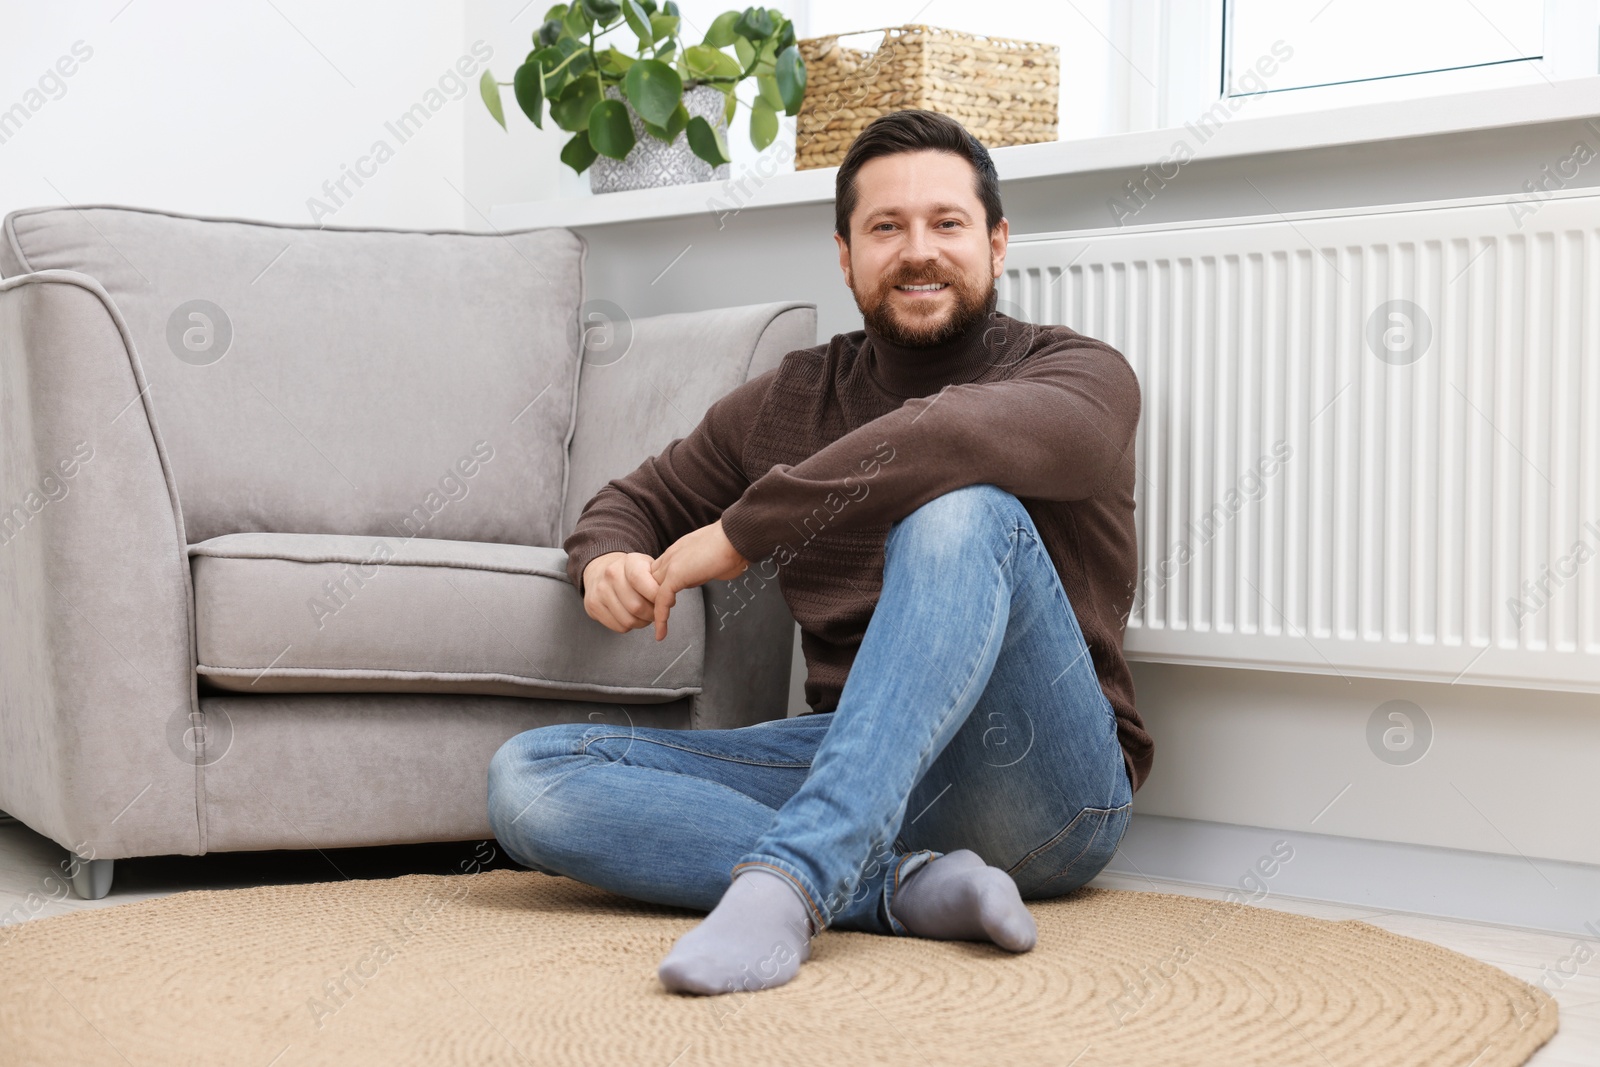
column 281, row 510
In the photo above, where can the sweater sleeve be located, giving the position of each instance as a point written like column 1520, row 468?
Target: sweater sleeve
column 669, row 495
column 1056, row 430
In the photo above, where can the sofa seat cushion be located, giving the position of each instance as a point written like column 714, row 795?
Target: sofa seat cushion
column 297, row 613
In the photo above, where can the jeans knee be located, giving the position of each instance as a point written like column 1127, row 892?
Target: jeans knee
column 506, row 768
column 527, row 821
column 503, row 768
column 516, row 765
column 959, row 516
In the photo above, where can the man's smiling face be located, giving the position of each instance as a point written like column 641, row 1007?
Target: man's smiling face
column 921, row 260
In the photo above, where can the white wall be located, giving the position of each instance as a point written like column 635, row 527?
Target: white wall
column 520, row 162
column 236, row 109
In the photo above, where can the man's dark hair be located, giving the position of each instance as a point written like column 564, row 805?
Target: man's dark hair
column 914, row 131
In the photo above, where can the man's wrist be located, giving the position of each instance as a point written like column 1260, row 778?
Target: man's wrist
column 578, row 562
column 740, row 534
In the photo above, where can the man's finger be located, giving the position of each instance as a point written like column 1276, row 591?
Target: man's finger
column 666, row 597
column 622, row 619
column 640, row 572
column 637, row 607
column 598, row 611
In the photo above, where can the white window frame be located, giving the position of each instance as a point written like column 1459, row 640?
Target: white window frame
column 1176, row 56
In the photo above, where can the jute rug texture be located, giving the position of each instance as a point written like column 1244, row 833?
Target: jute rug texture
column 515, row 967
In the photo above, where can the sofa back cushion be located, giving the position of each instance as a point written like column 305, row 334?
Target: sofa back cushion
column 344, row 381
column 656, row 378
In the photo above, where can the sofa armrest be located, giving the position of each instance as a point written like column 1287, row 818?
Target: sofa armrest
column 749, row 629
column 631, row 404
column 97, row 680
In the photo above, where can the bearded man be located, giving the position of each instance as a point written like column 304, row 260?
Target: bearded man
column 972, row 740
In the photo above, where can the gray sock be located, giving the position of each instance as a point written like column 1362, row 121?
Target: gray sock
column 958, row 897
column 755, row 938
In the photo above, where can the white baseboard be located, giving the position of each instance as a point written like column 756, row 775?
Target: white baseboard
column 1539, row 894
column 1502, row 770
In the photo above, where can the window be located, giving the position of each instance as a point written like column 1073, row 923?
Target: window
column 1343, row 41
column 1345, row 52
column 1171, row 60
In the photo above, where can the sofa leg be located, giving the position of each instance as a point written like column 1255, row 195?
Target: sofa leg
column 91, row 879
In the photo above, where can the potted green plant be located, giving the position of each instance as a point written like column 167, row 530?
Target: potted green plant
column 656, row 116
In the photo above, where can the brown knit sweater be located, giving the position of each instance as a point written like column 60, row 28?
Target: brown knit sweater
column 809, row 463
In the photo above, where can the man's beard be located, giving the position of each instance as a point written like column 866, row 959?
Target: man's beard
column 972, row 304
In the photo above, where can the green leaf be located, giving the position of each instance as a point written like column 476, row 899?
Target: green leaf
column 548, row 33
column 577, row 21
column 675, row 124
column 491, row 97
column 610, row 132
column 578, row 153
column 602, row 11
column 665, row 54
column 571, row 109
column 579, row 63
column 670, row 8
column 548, row 59
column 649, row 6
column 785, row 35
column 767, row 61
column 730, row 105
column 654, row 89
column 745, row 51
column 706, row 61
column 529, row 92
column 554, row 80
column 663, row 26
column 763, row 124
column 767, row 85
column 706, row 141
column 754, row 24
column 556, row 12
column 701, row 59
column 721, row 34
column 791, row 76
column 615, row 62
column 638, row 21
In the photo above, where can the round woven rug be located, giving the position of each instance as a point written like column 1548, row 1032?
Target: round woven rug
column 516, row 967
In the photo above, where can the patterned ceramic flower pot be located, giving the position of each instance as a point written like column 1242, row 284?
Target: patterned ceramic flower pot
column 652, row 163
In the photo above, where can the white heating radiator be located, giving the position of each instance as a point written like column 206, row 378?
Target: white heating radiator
column 1336, row 483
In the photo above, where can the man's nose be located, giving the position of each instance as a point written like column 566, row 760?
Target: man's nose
column 919, row 244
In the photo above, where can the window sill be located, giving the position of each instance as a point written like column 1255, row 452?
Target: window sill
column 1233, row 136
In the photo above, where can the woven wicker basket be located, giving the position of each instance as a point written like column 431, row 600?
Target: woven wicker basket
column 1002, row 90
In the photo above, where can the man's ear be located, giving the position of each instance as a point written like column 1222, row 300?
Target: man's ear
column 998, row 239
column 844, row 261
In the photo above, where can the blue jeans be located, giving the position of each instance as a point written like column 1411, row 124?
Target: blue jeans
column 971, row 718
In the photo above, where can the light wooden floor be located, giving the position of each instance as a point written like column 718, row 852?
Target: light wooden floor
column 27, row 862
